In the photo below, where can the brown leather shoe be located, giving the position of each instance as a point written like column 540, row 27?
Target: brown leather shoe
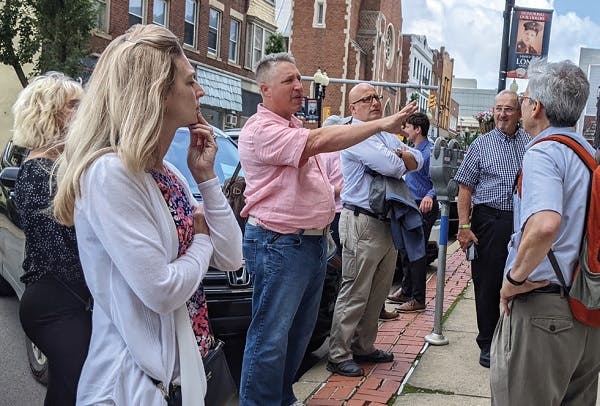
column 385, row 315
column 398, row 297
column 411, row 306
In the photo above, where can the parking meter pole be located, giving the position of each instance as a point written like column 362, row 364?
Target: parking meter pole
column 436, row 337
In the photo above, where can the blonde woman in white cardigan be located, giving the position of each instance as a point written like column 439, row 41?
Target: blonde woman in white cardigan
column 144, row 242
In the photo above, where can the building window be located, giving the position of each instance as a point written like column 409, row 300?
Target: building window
column 214, row 28
column 160, row 13
column 320, row 9
column 390, row 45
column 189, row 34
column 136, row 12
column 102, row 15
column 256, row 39
column 234, row 40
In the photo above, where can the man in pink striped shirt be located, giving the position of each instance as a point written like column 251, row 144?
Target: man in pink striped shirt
column 289, row 205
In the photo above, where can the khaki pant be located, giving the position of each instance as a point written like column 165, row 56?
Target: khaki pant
column 368, row 263
column 542, row 356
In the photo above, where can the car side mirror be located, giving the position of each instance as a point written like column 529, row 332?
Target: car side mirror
column 8, row 176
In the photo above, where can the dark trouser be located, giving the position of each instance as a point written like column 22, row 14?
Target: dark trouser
column 60, row 326
column 493, row 229
column 335, row 231
column 413, row 282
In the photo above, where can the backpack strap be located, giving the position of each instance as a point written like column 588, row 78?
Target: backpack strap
column 576, row 147
column 591, row 164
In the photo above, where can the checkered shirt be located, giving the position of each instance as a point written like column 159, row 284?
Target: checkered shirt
column 490, row 167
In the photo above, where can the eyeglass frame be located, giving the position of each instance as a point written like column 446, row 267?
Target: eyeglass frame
column 369, row 99
column 522, row 97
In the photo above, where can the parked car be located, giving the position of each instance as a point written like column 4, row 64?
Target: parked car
column 234, row 133
column 228, row 294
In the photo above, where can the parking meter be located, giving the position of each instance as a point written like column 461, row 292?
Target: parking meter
column 444, row 161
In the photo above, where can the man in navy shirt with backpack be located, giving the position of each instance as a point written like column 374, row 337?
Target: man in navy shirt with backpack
column 540, row 353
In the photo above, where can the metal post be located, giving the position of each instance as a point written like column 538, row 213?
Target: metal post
column 319, row 98
column 436, row 337
column 504, row 50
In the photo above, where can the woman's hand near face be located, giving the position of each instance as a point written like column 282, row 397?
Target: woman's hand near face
column 200, row 226
column 202, row 150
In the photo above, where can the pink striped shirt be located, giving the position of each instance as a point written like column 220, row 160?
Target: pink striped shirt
column 283, row 193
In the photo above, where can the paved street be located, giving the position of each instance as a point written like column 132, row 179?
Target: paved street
column 17, row 386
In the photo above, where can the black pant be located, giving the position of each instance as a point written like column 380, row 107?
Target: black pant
column 60, row 326
column 414, row 279
column 493, row 229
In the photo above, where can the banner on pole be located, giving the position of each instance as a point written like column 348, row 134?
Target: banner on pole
column 529, row 38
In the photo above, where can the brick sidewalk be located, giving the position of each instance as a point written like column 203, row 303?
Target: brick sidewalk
column 403, row 336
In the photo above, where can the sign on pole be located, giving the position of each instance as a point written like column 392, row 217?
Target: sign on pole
column 529, row 38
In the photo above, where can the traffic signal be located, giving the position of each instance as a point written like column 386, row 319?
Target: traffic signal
column 432, row 101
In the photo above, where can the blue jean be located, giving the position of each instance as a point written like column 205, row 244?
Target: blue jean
column 287, row 271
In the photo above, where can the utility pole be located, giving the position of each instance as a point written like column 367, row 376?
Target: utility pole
column 504, row 51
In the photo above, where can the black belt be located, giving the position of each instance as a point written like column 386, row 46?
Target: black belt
column 359, row 210
column 551, row 288
column 496, row 212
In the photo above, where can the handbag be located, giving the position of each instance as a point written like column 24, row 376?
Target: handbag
column 221, row 388
column 233, row 189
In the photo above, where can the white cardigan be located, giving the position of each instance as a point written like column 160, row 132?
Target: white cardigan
column 128, row 247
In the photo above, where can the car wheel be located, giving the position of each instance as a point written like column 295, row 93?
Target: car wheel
column 5, row 288
column 37, row 362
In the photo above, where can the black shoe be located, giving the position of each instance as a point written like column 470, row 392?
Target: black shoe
column 375, row 356
column 484, row 358
column 346, row 368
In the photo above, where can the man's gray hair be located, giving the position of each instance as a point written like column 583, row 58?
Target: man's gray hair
column 561, row 87
column 507, row 91
column 267, row 62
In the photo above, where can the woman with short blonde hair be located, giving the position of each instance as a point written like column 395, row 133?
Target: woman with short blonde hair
column 54, row 308
column 145, row 242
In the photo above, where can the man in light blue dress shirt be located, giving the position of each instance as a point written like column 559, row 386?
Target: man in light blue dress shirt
column 541, row 355
column 368, row 252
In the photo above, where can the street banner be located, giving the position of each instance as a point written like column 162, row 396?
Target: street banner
column 529, row 38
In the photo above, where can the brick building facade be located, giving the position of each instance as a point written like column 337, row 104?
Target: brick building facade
column 349, row 39
column 222, row 39
column 443, row 69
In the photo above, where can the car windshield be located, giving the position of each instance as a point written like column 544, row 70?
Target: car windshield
column 225, row 162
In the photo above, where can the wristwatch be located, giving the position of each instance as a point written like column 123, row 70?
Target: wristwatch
column 464, row 226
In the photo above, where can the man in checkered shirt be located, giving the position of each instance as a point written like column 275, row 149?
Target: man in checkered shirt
column 486, row 177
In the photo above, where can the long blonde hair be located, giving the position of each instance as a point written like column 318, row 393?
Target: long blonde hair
column 122, row 110
column 39, row 110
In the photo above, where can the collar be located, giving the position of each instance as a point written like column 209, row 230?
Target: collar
column 294, row 122
column 551, row 130
column 520, row 132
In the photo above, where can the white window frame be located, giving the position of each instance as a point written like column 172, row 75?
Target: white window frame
column 166, row 13
column 216, row 30
column 236, row 43
column 143, row 16
column 192, row 23
column 389, row 46
column 320, row 10
column 103, row 15
column 252, row 46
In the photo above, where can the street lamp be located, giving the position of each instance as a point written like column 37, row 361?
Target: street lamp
column 321, row 81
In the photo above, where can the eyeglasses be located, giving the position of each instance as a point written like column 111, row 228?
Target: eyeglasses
column 508, row 110
column 368, row 99
column 522, row 97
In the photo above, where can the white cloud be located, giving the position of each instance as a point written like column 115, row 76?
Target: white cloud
column 471, row 31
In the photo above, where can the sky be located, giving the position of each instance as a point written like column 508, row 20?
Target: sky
column 471, row 31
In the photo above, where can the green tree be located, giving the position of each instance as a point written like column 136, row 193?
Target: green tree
column 275, row 43
column 57, row 30
column 18, row 36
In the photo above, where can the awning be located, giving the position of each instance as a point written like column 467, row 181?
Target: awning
column 221, row 90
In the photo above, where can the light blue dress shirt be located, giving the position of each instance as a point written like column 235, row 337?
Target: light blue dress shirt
column 377, row 153
column 554, row 179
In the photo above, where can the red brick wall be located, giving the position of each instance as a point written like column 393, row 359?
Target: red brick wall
column 119, row 23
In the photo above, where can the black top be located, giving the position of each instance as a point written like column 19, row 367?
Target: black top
column 49, row 246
